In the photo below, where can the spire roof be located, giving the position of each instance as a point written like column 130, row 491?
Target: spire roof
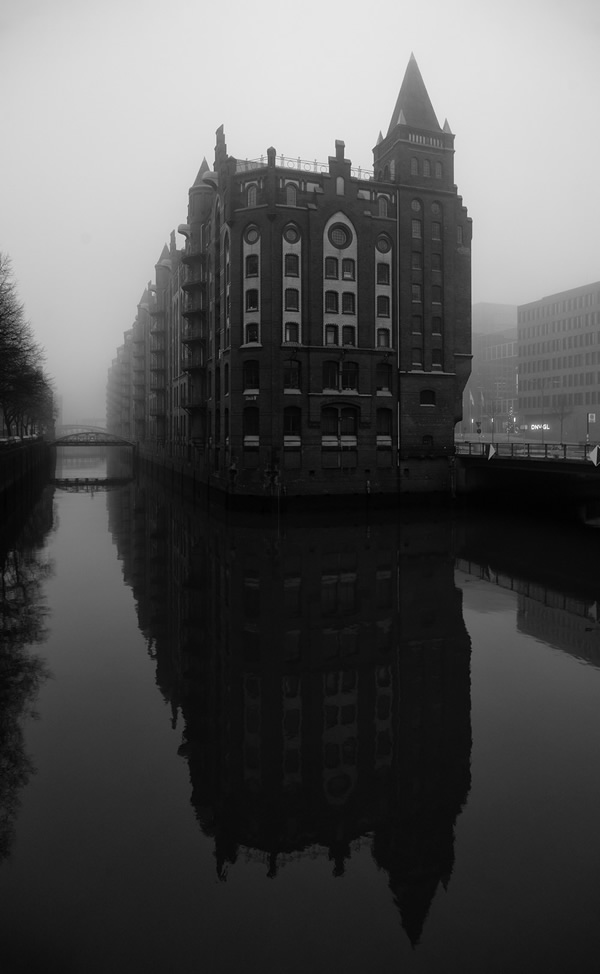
column 203, row 168
column 413, row 106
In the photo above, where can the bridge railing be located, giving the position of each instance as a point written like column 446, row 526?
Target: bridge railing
column 537, row 451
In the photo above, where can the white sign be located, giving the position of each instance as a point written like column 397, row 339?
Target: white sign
column 540, row 426
column 591, row 417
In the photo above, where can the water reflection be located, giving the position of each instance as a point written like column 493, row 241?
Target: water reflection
column 23, row 612
column 321, row 674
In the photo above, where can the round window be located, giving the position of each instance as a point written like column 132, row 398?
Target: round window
column 251, row 235
column 340, row 236
column 291, row 234
column 416, row 205
column 383, row 245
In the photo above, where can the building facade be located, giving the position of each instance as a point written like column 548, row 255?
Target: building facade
column 313, row 335
column 490, row 405
column 559, row 365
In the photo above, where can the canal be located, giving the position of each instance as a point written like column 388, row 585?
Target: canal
column 326, row 743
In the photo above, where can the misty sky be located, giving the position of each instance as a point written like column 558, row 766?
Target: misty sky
column 107, row 109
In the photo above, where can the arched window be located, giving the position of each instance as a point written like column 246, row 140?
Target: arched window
column 331, row 267
column 426, row 167
column 436, row 325
column 383, row 338
column 383, row 377
column 330, row 375
column 292, row 299
column 414, row 167
column 291, row 332
column 384, row 422
column 291, row 265
column 348, row 303
column 330, row 421
column 383, row 206
column 350, row 376
column 331, row 302
column 339, row 186
column 251, row 333
column 349, row 335
column 252, row 265
column 291, row 374
column 427, row 397
column 251, row 199
column 290, row 195
column 250, row 425
column 252, row 300
column 383, row 306
column 348, row 421
column 438, row 170
column 292, row 421
column 250, row 374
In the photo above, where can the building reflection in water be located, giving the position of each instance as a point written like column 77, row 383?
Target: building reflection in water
column 321, row 670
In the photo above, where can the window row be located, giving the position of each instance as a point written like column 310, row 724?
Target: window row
column 332, row 302
column 425, row 168
column 336, row 423
column 334, row 334
column 332, row 268
column 335, row 376
column 417, row 230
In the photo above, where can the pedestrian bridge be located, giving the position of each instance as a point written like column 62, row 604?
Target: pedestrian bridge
column 89, row 485
column 91, row 437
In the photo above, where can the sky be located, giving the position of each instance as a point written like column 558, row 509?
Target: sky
column 107, row 109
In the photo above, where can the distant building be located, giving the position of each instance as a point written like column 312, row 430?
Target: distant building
column 559, row 365
column 490, row 396
column 314, row 335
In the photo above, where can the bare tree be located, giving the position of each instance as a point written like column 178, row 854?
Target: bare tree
column 26, row 398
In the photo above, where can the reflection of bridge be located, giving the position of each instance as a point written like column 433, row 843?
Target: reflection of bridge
column 89, row 485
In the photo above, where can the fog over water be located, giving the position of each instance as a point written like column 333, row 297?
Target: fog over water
column 355, row 743
column 108, row 110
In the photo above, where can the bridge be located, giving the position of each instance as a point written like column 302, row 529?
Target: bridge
column 90, row 436
column 559, row 477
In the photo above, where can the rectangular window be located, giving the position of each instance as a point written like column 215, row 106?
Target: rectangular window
column 348, row 272
column 459, row 235
column 436, row 294
column 436, row 231
column 291, row 331
column 383, row 306
column 331, row 268
column 348, row 335
column 436, row 262
column 383, row 338
column 417, row 324
column 415, row 291
column 383, row 273
column 436, row 358
column 252, row 300
column 348, row 303
column 252, row 265
column 416, row 260
column 292, row 299
column 331, row 334
column 417, row 357
column 416, row 229
column 292, row 265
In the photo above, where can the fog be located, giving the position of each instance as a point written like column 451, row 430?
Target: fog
column 108, row 109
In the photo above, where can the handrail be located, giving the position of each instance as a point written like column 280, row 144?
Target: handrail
column 532, row 451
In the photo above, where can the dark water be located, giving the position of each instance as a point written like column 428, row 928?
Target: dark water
column 342, row 744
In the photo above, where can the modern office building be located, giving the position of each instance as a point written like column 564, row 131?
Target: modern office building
column 313, row 336
column 490, row 396
column 559, row 365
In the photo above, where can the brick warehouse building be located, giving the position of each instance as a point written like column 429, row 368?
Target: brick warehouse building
column 314, row 334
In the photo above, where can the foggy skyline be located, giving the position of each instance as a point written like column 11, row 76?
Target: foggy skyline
column 108, row 111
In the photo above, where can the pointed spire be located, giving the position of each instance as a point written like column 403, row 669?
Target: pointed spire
column 413, row 106
column 380, row 137
column 203, row 168
column 447, row 128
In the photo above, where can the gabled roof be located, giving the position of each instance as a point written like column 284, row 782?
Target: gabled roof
column 413, row 106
